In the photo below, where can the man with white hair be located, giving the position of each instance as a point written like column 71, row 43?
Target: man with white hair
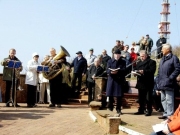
column 94, row 70
column 169, row 69
column 146, row 67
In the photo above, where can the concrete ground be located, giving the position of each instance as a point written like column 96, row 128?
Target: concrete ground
column 72, row 119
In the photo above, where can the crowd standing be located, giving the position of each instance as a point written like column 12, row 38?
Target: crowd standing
column 125, row 59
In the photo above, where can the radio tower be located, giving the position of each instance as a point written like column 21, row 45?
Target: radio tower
column 164, row 24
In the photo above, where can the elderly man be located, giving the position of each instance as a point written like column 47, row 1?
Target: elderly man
column 145, row 82
column 9, row 75
column 56, row 82
column 94, row 70
column 169, row 69
column 80, row 68
column 116, row 77
column 105, row 58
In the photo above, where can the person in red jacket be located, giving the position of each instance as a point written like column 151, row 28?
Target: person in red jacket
column 172, row 124
column 133, row 57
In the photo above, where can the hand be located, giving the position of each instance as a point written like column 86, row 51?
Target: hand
column 67, row 68
column 82, row 74
column 158, row 92
column 141, row 71
column 93, row 77
column 7, row 60
column 114, row 72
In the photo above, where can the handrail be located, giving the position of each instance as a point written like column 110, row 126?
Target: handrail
column 139, row 59
column 148, row 54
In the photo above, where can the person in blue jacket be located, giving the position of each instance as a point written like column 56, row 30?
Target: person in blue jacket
column 169, row 69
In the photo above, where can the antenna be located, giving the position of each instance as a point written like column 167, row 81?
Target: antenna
column 164, row 23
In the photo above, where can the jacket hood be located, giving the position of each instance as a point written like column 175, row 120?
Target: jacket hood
column 34, row 54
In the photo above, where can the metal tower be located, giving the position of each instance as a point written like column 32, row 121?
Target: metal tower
column 164, row 23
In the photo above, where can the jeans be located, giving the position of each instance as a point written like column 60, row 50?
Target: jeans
column 160, row 133
column 167, row 100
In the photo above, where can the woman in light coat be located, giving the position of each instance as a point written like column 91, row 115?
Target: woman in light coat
column 44, row 84
column 32, row 80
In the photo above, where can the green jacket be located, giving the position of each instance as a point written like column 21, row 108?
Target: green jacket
column 8, row 72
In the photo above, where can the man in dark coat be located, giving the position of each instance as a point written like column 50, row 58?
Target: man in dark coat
column 145, row 82
column 169, row 69
column 80, row 67
column 94, row 71
column 116, row 77
column 159, row 43
column 10, row 75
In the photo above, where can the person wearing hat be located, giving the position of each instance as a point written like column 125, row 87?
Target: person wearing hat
column 32, row 80
column 118, row 46
column 116, row 77
column 9, row 77
column 80, row 68
column 150, row 43
column 146, row 68
column 159, row 44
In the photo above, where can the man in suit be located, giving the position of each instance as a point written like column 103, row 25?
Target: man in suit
column 145, row 82
column 80, row 68
column 9, row 75
column 116, row 79
column 169, row 69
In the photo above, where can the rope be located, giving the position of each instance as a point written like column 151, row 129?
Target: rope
column 134, row 19
column 177, row 21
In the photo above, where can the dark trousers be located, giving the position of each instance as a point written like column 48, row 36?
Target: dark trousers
column 8, row 90
column 55, row 91
column 31, row 94
column 75, row 77
column 145, row 99
column 117, row 101
column 91, row 91
column 157, row 101
column 65, row 93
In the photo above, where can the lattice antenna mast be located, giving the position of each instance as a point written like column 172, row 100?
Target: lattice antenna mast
column 164, row 23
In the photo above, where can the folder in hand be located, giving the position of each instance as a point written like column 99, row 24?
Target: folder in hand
column 14, row 64
column 43, row 68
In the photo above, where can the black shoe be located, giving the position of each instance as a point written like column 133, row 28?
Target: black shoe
column 17, row 105
column 138, row 113
column 7, row 105
column 162, row 117
column 119, row 112
column 148, row 114
column 52, row 105
column 59, row 106
column 29, row 106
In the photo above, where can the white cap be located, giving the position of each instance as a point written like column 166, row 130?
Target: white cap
column 35, row 54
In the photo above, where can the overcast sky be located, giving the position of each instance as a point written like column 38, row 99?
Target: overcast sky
column 37, row 25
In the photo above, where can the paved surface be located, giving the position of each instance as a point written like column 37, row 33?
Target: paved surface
column 68, row 120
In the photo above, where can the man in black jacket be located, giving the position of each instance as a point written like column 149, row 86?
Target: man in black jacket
column 94, row 71
column 159, row 44
column 80, row 67
column 145, row 82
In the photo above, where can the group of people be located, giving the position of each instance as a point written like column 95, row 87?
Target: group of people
column 115, row 69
